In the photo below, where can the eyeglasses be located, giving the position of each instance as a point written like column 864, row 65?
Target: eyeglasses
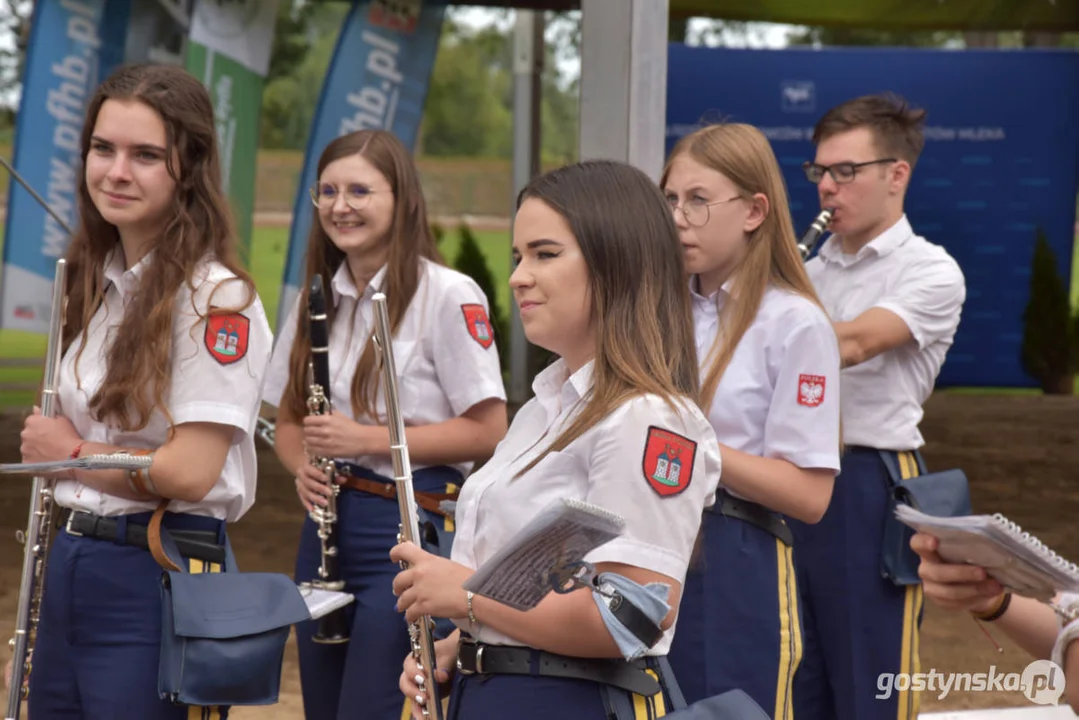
column 841, row 172
column 696, row 211
column 324, row 195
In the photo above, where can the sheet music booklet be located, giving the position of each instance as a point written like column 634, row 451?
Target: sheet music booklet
column 1016, row 559
column 323, row 602
column 564, row 532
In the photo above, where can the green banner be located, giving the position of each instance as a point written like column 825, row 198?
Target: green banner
column 1031, row 15
column 228, row 48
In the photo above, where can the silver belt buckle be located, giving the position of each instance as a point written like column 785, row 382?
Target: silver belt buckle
column 67, row 525
column 479, row 663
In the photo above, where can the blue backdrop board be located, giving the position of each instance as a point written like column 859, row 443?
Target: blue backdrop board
column 1000, row 161
column 74, row 44
column 378, row 79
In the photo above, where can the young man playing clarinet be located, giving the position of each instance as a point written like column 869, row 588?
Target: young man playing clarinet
column 895, row 300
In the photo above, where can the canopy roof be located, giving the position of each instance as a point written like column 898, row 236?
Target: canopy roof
column 1030, row 15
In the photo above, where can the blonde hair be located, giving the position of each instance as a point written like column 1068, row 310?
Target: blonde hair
column 742, row 154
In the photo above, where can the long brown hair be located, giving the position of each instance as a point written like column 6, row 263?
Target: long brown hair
column 742, row 154
column 139, row 362
column 640, row 300
column 409, row 239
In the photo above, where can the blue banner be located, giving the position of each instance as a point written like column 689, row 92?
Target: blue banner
column 74, row 44
column 1000, row 160
column 378, row 78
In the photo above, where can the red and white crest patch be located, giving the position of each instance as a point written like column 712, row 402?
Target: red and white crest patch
column 479, row 327
column 668, row 461
column 810, row 390
column 226, row 337
column 398, row 15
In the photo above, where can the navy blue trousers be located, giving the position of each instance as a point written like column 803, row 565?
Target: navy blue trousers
column 739, row 624
column 360, row 677
column 540, row 697
column 99, row 638
column 858, row 624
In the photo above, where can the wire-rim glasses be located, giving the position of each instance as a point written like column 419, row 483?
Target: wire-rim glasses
column 324, row 195
column 697, row 212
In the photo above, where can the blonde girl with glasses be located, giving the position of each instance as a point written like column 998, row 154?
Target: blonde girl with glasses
column 372, row 235
column 770, row 387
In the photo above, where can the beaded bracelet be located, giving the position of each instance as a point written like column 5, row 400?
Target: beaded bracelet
column 471, row 615
column 995, row 613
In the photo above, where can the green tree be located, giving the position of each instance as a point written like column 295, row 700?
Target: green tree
column 466, row 113
column 1050, row 352
column 290, row 99
column 291, row 41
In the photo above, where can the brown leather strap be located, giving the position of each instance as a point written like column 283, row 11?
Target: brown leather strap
column 153, row 538
column 427, row 500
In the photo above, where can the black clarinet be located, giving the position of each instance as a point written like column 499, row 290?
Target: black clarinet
column 809, row 240
column 333, row 627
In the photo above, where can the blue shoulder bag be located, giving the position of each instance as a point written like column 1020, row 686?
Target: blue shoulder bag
column 943, row 494
column 222, row 634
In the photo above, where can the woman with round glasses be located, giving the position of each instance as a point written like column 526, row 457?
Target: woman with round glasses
column 770, row 386
column 372, row 235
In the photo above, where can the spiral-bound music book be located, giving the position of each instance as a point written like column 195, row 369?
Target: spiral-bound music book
column 562, row 533
column 1016, row 559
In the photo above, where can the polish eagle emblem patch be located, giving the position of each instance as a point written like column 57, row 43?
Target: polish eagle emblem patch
column 810, row 390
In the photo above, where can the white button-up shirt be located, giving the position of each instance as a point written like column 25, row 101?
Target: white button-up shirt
column 780, row 394
column 444, row 352
column 613, row 465
column 918, row 281
column 207, row 385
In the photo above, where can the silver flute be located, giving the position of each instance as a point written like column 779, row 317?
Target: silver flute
column 813, row 234
column 39, row 521
column 423, row 644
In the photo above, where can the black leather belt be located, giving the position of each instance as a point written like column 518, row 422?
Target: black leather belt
column 754, row 514
column 479, row 658
column 198, row 544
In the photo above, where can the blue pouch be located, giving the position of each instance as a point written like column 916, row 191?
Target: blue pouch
column 943, row 494
column 223, row 634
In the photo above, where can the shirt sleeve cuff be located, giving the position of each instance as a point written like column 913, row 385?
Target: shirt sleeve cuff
column 823, row 461
column 216, row 413
column 915, row 331
column 628, row 551
column 462, row 401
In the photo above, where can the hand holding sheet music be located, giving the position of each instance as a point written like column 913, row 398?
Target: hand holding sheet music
column 562, row 534
column 1016, row 559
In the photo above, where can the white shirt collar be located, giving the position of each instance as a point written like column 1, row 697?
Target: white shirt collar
column 124, row 280
column 556, row 389
column 343, row 285
column 883, row 244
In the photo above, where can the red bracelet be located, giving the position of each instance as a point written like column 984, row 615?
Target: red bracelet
column 74, row 456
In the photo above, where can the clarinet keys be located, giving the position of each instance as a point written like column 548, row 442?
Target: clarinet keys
column 813, row 234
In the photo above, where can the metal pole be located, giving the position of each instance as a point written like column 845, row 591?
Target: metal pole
column 528, row 53
column 624, row 81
